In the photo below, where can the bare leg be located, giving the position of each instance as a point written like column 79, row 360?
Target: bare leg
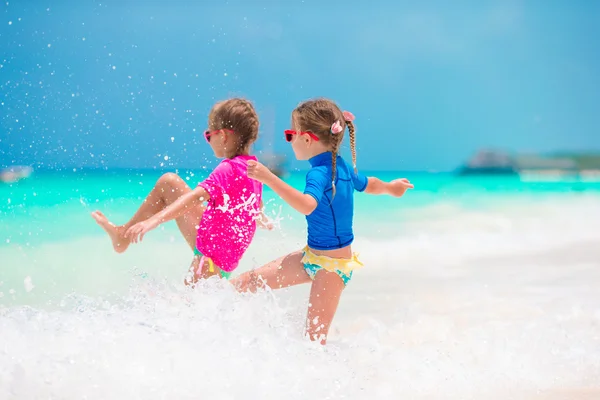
column 283, row 272
column 197, row 272
column 286, row 271
column 325, row 294
column 168, row 188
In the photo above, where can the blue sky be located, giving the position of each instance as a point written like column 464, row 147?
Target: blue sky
column 124, row 84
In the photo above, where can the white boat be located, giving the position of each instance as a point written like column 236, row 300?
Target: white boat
column 15, row 173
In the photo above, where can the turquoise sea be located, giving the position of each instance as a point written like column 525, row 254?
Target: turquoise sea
column 474, row 287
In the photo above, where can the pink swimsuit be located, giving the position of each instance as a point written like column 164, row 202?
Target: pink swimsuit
column 229, row 222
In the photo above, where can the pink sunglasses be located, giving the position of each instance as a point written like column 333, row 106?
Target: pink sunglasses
column 208, row 134
column 289, row 134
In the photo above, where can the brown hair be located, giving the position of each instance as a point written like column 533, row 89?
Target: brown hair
column 317, row 116
column 240, row 116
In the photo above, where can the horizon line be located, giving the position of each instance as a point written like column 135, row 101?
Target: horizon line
column 164, row 169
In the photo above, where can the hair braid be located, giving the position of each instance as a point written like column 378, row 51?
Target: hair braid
column 352, row 134
column 333, row 170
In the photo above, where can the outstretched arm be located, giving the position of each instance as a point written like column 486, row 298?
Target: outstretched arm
column 178, row 208
column 395, row 188
column 301, row 202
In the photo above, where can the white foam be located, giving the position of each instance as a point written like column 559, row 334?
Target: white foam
column 496, row 303
column 161, row 341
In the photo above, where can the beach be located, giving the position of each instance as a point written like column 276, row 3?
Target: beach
column 472, row 288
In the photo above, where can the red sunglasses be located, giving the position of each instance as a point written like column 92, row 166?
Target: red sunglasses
column 208, row 134
column 289, row 134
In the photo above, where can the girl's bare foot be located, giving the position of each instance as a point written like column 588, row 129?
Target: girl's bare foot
column 119, row 242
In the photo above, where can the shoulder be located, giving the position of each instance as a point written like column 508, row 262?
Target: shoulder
column 225, row 167
column 317, row 173
column 341, row 162
column 221, row 174
column 343, row 169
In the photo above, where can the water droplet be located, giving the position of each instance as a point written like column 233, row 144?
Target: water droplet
column 10, row 22
column 49, row 45
column 172, row 139
column 83, row 39
column 225, row 74
column 166, row 158
column 114, row 67
column 28, row 285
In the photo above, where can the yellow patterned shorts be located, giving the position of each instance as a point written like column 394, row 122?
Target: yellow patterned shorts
column 342, row 266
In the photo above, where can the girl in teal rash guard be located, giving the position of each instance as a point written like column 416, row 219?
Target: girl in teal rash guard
column 328, row 203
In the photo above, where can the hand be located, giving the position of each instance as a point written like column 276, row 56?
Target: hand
column 258, row 171
column 266, row 223
column 136, row 232
column 398, row 187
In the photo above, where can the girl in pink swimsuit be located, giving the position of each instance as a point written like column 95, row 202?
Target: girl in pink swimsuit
column 220, row 231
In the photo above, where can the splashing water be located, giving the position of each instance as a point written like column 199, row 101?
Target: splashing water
column 498, row 301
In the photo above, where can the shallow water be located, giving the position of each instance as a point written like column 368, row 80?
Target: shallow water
column 468, row 292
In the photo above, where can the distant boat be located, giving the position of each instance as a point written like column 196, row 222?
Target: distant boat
column 15, row 173
column 533, row 167
column 489, row 162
